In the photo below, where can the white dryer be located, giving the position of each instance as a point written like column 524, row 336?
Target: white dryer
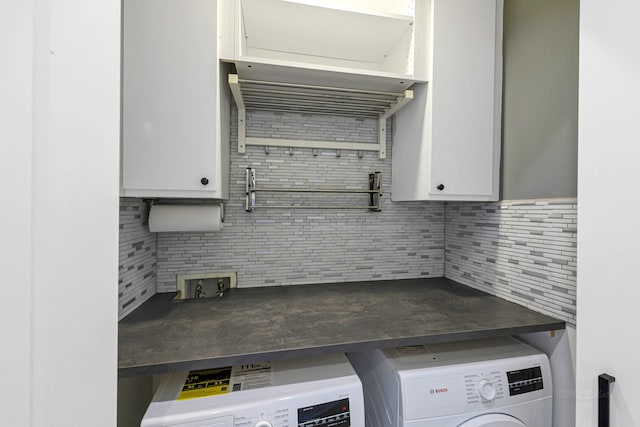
column 320, row 391
column 499, row 382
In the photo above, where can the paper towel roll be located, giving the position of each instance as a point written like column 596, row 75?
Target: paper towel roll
column 201, row 218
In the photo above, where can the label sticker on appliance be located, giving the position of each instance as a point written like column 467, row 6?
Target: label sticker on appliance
column 251, row 376
column 206, row 382
column 412, row 350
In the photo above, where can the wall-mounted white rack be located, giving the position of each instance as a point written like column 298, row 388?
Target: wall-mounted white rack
column 312, row 99
column 374, row 192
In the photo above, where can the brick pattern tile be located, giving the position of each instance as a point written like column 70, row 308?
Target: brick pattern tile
column 297, row 246
column 523, row 251
column 137, row 259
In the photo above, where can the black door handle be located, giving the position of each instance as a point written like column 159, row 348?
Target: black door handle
column 604, row 390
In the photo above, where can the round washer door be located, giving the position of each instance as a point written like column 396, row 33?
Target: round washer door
column 493, row 420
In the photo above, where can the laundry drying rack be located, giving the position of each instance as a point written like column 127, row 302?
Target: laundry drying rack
column 374, row 192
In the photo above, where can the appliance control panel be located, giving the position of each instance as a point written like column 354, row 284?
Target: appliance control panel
column 273, row 417
column 489, row 386
column 436, row 391
column 484, row 387
column 327, row 414
column 525, row 380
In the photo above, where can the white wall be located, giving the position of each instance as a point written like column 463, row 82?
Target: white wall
column 16, row 110
column 608, row 179
column 60, row 240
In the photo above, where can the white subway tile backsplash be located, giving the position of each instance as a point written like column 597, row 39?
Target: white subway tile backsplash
column 272, row 246
column 137, row 259
column 523, row 251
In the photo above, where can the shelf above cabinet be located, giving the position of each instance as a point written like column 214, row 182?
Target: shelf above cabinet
column 310, row 28
column 383, row 38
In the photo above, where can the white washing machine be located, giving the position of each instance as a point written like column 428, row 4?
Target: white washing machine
column 499, row 382
column 320, row 392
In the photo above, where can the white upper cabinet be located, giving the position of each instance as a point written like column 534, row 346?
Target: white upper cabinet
column 446, row 143
column 356, row 37
column 175, row 101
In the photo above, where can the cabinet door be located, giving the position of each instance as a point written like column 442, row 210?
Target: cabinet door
column 466, row 98
column 171, row 124
column 447, row 140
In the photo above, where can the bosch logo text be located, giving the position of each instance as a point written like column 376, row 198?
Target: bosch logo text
column 438, row 390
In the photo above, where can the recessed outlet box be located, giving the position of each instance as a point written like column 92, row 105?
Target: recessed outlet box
column 204, row 285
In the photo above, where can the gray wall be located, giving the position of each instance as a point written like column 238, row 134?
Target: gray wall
column 134, row 396
column 540, row 114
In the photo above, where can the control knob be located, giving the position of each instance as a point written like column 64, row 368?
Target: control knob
column 263, row 423
column 486, row 390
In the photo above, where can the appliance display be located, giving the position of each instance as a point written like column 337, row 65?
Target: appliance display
column 525, row 381
column 329, row 414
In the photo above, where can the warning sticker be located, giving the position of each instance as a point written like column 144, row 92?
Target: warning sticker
column 206, row 382
column 248, row 377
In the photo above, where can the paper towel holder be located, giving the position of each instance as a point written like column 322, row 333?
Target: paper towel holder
column 179, row 215
column 204, row 202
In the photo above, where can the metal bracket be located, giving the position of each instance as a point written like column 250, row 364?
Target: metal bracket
column 250, row 200
column 375, row 194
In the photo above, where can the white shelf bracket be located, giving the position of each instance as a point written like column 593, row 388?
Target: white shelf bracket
column 234, row 84
column 400, row 102
column 242, row 130
column 382, row 138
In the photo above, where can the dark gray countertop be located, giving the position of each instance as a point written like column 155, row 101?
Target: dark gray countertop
column 258, row 324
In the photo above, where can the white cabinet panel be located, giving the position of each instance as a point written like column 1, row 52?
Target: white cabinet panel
column 353, row 37
column 305, row 31
column 447, row 141
column 173, row 144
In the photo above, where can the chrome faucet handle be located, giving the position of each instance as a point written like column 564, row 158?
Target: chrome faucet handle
column 220, row 289
column 199, row 293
